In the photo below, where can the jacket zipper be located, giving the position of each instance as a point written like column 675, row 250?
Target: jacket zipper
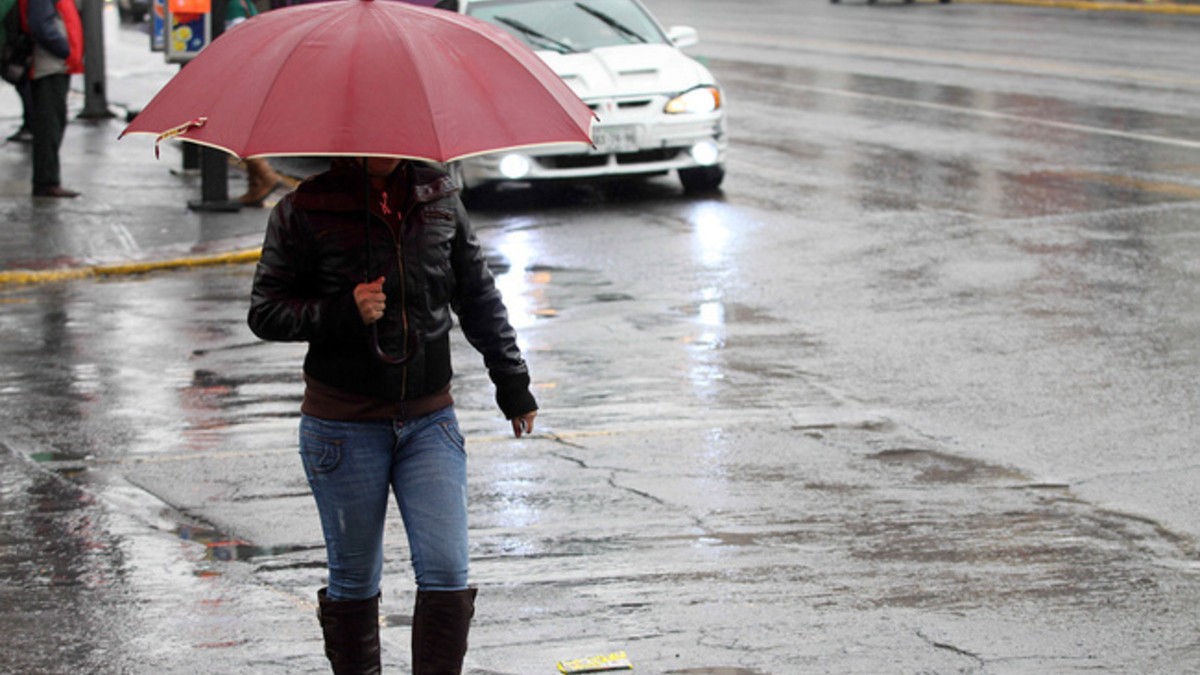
column 403, row 314
column 399, row 247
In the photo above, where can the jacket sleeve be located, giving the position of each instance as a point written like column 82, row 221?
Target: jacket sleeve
column 484, row 319
column 283, row 303
column 47, row 28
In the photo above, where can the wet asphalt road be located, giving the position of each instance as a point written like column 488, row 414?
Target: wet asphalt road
column 915, row 393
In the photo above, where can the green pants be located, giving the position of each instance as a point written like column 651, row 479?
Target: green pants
column 49, row 123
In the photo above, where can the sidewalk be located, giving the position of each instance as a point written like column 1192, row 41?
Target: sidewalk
column 132, row 215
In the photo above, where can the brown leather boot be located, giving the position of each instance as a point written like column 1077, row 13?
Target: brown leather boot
column 351, row 629
column 441, row 621
column 261, row 180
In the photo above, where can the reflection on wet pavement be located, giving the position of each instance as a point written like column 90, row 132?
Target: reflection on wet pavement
column 857, row 410
column 59, row 565
column 769, row 536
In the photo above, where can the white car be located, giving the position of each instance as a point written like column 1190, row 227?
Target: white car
column 658, row 109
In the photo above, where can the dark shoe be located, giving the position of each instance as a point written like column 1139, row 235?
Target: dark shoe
column 54, row 191
column 22, row 135
column 351, row 630
column 441, row 621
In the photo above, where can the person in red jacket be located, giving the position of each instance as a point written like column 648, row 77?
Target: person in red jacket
column 57, row 54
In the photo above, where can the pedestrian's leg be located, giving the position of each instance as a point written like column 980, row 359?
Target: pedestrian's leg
column 261, row 181
column 347, row 465
column 25, row 133
column 25, row 89
column 430, row 482
column 49, row 124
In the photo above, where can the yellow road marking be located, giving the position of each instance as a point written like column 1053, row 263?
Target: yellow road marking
column 1150, row 7
column 1141, row 185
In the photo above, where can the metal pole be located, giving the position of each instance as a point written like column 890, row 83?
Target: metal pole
column 95, row 100
column 214, row 164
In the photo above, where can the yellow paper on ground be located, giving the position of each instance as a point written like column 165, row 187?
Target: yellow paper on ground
column 596, row 664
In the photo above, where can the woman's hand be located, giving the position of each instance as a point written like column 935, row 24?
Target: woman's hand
column 371, row 301
column 523, row 424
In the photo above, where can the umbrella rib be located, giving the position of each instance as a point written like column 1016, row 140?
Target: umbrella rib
column 420, row 76
column 297, row 44
column 394, row 81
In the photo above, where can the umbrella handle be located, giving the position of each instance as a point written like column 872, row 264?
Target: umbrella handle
column 411, row 346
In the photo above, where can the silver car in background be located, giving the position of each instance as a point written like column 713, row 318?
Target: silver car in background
column 658, row 109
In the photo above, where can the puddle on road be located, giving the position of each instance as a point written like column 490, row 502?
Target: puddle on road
column 54, row 456
column 220, row 546
column 724, row 313
column 65, row 463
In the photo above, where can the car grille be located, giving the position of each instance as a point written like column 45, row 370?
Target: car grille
column 573, row 161
column 593, row 161
column 634, row 104
column 647, row 156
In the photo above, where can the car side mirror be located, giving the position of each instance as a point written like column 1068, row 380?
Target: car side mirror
column 683, row 36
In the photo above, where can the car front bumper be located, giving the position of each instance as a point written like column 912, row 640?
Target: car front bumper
column 623, row 148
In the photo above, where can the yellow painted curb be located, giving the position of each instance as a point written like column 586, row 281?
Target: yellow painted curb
column 19, row 277
column 1151, row 7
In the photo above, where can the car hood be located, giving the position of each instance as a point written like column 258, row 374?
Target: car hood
column 628, row 70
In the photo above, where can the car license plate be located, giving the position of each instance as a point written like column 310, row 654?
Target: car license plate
column 615, row 139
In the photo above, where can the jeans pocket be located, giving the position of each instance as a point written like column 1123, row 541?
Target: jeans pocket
column 320, row 454
column 450, row 428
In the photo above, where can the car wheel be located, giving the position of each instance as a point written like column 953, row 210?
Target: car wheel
column 701, row 179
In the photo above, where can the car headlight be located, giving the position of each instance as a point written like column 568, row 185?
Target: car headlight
column 698, row 100
column 515, row 167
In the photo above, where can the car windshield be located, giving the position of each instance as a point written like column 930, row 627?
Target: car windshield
column 569, row 26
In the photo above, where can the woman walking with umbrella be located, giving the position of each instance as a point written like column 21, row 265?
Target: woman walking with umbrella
column 366, row 261
column 378, row 416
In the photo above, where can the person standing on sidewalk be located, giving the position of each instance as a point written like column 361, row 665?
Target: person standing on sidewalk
column 366, row 262
column 23, row 134
column 57, row 54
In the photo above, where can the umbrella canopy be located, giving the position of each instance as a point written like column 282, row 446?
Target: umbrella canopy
column 365, row 78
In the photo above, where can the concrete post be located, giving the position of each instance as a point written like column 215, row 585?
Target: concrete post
column 214, row 164
column 95, row 99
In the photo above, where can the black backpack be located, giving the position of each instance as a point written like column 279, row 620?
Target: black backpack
column 16, row 47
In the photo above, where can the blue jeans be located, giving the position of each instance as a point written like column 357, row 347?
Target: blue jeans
column 351, row 467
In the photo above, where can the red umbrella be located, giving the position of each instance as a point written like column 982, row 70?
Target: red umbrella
column 365, row 78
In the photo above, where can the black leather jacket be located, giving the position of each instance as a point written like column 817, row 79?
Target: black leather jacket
column 315, row 253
